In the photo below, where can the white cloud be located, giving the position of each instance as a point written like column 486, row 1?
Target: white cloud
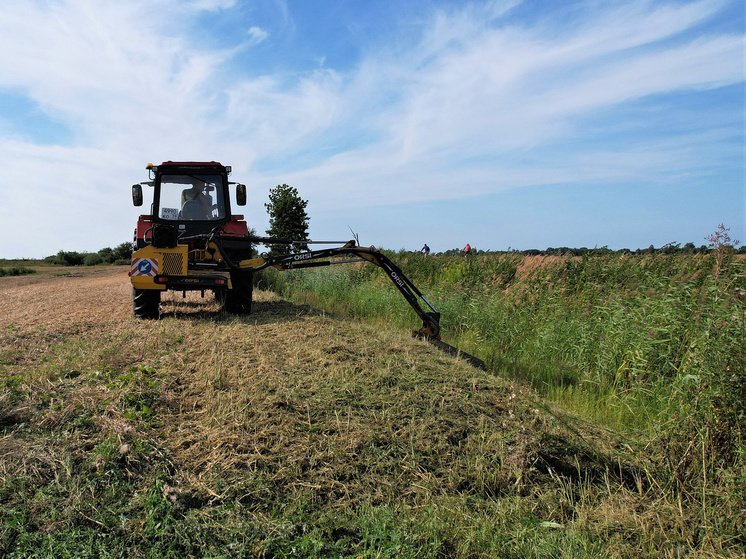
column 505, row 88
column 211, row 5
column 399, row 126
column 471, row 90
column 257, row 35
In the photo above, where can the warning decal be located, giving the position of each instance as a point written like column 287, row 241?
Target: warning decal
column 144, row 266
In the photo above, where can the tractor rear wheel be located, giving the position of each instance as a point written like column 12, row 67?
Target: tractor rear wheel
column 238, row 299
column 146, row 303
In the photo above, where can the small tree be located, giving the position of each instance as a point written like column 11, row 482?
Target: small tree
column 122, row 253
column 287, row 218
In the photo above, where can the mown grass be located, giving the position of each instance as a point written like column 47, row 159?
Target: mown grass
column 291, row 433
column 285, row 434
column 651, row 346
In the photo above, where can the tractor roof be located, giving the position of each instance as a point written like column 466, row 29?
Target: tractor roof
column 191, row 163
column 173, row 166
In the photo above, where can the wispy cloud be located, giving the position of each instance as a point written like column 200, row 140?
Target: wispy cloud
column 472, row 89
column 257, row 35
column 477, row 106
column 210, row 5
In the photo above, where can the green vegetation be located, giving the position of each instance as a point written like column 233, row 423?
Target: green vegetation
column 287, row 218
column 653, row 346
column 16, row 270
column 293, row 433
column 118, row 255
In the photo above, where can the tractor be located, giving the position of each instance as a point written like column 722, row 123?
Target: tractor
column 192, row 241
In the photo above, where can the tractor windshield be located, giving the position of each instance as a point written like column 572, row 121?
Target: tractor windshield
column 191, row 198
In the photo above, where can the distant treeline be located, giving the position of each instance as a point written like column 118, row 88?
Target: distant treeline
column 120, row 254
column 670, row 248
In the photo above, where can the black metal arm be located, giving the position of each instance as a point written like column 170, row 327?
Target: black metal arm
column 430, row 320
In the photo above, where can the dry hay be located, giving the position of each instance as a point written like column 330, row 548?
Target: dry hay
column 311, row 409
column 68, row 300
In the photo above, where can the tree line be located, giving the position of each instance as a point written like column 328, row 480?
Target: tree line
column 670, row 248
column 120, row 254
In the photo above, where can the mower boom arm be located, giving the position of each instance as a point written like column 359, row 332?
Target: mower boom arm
column 430, row 319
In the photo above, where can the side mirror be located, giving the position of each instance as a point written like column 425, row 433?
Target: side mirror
column 241, row 194
column 137, row 195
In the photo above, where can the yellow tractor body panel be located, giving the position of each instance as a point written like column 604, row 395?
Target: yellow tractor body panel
column 149, row 262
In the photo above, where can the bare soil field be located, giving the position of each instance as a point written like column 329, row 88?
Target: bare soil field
column 57, row 298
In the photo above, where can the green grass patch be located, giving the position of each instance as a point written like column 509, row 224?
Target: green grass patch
column 16, row 271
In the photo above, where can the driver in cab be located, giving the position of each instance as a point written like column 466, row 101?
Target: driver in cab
column 196, row 192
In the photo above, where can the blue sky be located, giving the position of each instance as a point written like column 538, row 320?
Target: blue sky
column 503, row 124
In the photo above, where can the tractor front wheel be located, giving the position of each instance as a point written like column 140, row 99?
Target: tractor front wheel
column 146, row 303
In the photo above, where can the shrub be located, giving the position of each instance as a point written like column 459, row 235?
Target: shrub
column 93, row 259
column 107, row 255
column 67, row 258
column 122, row 252
column 16, row 271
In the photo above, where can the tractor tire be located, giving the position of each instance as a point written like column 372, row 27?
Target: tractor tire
column 238, row 299
column 146, row 303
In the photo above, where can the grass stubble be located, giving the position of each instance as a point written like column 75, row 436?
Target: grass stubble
column 291, row 433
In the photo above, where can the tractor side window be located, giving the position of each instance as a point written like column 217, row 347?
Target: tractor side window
column 191, row 198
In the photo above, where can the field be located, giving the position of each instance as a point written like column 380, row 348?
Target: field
column 651, row 346
column 293, row 432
